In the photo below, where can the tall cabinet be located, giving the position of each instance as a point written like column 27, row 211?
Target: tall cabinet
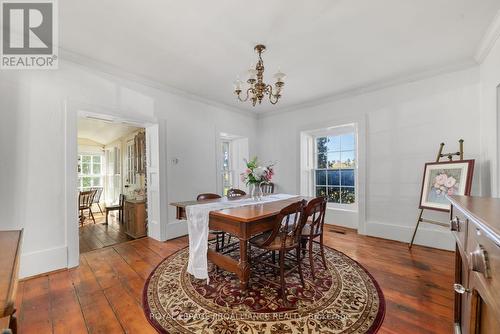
column 475, row 223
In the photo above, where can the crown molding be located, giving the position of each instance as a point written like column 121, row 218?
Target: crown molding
column 96, row 65
column 373, row 87
column 489, row 39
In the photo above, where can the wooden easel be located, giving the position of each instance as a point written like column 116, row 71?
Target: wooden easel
column 440, row 155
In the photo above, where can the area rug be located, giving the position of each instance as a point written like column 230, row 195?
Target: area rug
column 344, row 298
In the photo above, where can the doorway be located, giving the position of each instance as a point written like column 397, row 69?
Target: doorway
column 111, row 183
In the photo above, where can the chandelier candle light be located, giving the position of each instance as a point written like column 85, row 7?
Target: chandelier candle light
column 258, row 88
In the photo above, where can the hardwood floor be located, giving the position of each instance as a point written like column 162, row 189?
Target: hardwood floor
column 95, row 236
column 103, row 295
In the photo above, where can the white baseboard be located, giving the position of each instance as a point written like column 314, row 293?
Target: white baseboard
column 441, row 238
column 39, row 262
column 176, row 228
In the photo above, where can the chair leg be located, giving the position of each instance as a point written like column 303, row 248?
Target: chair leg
column 322, row 250
column 107, row 212
column 304, row 245
column 273, row 256
column 311, row 258
column 217, row 243
column 100, row 209
column 223, row 238
column 228, row 238
column 297, row 251
column 91, row 214
column 282, row 274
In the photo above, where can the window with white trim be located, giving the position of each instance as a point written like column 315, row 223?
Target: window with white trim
column 334, row 166
column 90, row 171
column 227, row 172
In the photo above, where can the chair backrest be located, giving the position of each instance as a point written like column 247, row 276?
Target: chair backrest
column 315, row 210
column 288, row 225
column 267, row 188
column 97, row 197
column 85, row 198
column 233, row 192
column 121, row 200
column 202, row 197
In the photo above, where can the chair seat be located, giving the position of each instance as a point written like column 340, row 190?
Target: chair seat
column 275, row 245
column 114, row 207
column 83, row 207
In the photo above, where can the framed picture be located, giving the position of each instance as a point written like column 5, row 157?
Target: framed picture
column 445, row 178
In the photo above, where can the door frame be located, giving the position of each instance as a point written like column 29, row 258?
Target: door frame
column 74, row 110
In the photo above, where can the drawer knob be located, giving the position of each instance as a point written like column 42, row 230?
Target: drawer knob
column 455, row 224
column 459, row 288
column 480, row 261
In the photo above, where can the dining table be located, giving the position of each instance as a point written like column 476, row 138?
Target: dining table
column 242, row 222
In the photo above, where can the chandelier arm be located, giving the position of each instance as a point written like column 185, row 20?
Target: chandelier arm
column 246, row 98
column 271, row 95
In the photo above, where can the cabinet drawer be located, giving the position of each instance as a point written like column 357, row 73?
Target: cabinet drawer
column 484, row 263
column 459, row 225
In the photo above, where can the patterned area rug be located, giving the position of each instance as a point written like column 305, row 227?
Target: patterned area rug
column 345, row 298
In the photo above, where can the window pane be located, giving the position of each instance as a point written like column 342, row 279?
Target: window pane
column 333, row 143
column 348, row 195
column 347, row 177
column 96, row 181
column 321, row 177
column 97, row 159
column 333, row 160
column 322, row 163
column 86, row 182
column 334, row 194
column 347, row 142
column 97, row 169
column 320, row 191
column 85, row 158
column 334, row 177
column 85, row 168
column 348, row 159
column 225, row 155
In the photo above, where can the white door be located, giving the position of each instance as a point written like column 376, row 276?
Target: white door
column 153, row 181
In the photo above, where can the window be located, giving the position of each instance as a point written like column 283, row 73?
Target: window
column 90, row 171
column 227, row 173
column 335, row 168
column 131, row 177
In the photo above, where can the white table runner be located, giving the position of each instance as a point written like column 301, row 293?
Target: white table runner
column 197, row 216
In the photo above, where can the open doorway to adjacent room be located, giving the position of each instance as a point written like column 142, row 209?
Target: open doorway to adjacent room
column 111, row 183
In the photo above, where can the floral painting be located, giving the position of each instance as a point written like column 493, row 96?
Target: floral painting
column 444, row 179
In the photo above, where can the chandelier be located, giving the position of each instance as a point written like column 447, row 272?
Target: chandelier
column 258, row 89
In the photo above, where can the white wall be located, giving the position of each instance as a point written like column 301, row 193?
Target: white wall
column 404, row 126
column 490, row 81
column 32, row 147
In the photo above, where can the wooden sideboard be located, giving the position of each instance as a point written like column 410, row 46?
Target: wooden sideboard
column 10, row 251
column 134, row 218
column 475, row 224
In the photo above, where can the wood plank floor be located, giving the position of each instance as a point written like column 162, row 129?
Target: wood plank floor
column 94, row 236
column 103, row 294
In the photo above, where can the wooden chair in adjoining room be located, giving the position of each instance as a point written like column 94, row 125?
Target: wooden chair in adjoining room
column 219, row 235
column 118, row 207
column 97, row 197
column 233, row 192
column 85, row 199
column 267, row 188
column 284, row 237
column 314, row 221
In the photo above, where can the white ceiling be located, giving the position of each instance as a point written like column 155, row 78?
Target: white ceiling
column 102, row 132
column 325, row 46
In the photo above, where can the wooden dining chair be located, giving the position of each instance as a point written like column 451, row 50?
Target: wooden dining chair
column 220, row 236
column 233, row 192
column 284, row 237
column 267, row 188
column 85, row 199
column 118, row 207
column 314, row 221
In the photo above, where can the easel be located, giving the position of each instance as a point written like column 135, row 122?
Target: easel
column 440, row 155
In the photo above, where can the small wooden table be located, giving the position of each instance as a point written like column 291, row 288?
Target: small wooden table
column 243, row 223
column 10, row 251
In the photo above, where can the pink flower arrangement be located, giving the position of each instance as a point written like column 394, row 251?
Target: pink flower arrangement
column 256, row 174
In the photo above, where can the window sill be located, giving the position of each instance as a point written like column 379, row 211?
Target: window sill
column 353, row 209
